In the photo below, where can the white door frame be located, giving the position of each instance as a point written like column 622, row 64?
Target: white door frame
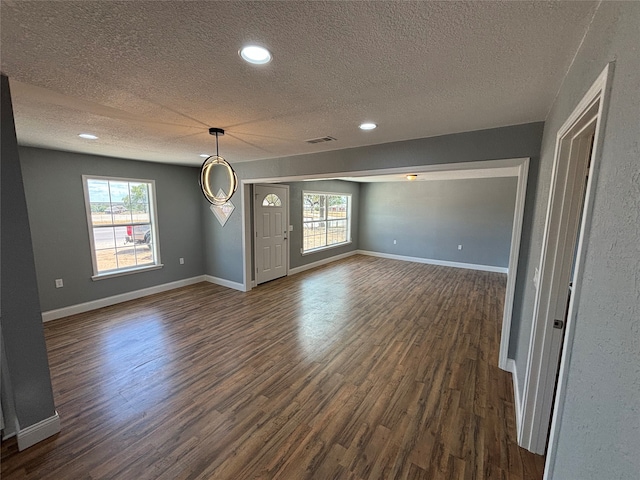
column 540, row 379
column 514, row 255
column 521, row 166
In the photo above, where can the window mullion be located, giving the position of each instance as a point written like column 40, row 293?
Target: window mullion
column 324, row 217
column 110, row 199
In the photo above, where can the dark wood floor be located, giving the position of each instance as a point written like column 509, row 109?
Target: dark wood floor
column 366, row 368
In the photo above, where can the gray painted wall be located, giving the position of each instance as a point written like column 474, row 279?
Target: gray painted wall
column 295, row 218
column 27, row 364
column 600, row 428
column 224, row 248
column 55, row 198
column 224, row 245
column 429, row 219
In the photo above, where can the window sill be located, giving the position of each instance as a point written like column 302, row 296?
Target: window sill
column 120, row 273
column 322, row 249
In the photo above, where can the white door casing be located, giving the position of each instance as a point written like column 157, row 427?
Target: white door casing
column 514, row 255
column 562, row 226
column 555, row 276
column 271, row 224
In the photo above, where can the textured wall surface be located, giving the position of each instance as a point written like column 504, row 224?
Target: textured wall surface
column 430, row 219
column 600, row 427
column 55, row 198
column 25, row 351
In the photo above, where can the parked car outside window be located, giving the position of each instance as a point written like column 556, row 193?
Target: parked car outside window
column 138, row 234
column 115, row 209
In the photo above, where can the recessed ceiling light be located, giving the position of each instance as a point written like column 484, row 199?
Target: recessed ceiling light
column 255, row 54
column 205, row 155
column 88, row 136
column 367, row 126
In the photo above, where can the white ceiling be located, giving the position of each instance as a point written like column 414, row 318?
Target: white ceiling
column 149, row 78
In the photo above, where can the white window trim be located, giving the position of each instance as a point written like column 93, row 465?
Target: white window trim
column 129, row 271
column 154, row 228
column 333, row 245
column 328, row 247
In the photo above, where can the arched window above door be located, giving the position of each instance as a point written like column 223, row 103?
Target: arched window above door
column 271, row 200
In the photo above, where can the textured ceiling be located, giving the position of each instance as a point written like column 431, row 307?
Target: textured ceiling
column 149, row 78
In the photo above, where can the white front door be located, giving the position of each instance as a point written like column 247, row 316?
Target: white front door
column 271, row 226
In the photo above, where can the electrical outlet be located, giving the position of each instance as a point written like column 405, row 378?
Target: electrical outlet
column 394, row 241
column 59, row 283
column 181, row 261
column 459, row 247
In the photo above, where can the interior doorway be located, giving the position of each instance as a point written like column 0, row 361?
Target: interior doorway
column 520, row 168
column 566, row 227
column 583, row 143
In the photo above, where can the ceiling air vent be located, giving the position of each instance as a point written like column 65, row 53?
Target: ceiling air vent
column 321, row 140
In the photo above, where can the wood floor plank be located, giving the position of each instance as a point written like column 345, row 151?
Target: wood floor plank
column 365, row 368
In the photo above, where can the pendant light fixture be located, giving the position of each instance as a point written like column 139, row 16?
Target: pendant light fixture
column 205, row 174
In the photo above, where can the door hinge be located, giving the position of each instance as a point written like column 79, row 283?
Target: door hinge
column 558, row 324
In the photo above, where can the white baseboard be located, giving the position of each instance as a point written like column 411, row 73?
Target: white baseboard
column 511, row 367
column 309, row 266
column 224, row 283
column 38, row 432
column 123, row 297
column 430, row 261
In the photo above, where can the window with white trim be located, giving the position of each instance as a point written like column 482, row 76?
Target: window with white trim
column 121, row 216
column 326, row 220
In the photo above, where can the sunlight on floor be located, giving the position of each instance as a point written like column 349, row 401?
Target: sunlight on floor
column 321, row 316
column 137, row 361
